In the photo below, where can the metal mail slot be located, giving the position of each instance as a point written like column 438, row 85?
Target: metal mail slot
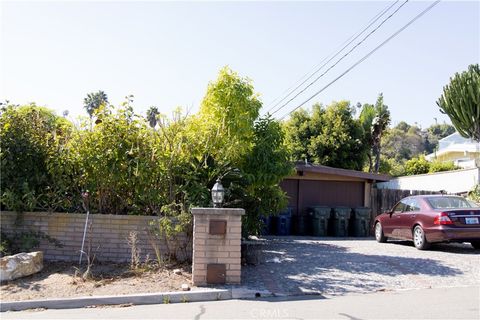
column 218, row 227
column 216, row 273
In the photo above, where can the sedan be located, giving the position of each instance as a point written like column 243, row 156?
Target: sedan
column 428, row 219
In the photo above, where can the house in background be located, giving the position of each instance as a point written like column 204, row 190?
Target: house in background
column 463, row 152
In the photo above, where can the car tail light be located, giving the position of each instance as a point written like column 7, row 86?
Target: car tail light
column 442, row 218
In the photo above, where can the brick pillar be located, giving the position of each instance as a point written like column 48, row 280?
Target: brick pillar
column 217, row 234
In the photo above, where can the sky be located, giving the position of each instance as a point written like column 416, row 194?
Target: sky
column 166, row 53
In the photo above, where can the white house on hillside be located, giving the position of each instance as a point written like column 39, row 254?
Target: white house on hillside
column 463, row 152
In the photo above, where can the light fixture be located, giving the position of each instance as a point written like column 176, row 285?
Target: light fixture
column 217, row 194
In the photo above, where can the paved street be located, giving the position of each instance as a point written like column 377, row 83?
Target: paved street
column 299, row 265
column 444, row 303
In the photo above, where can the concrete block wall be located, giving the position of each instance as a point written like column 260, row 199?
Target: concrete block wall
column 214, row 248
column 108, row 234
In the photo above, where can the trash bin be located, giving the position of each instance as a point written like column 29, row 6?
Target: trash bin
column 340, row 217
column 284, row 222
column 361, row 221
column 267, row 226
column 300, row 224
column 320, row 216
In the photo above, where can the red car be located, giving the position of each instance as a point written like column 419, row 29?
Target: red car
column 430, row 219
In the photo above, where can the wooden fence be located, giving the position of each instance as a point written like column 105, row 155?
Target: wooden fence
column 384, row 199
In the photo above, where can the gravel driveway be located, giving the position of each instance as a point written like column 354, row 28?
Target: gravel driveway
column 303, row 265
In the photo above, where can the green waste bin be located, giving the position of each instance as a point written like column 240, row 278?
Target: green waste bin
column 300, row 225
column 340, row 216
column 361, row 221
column 320, row 216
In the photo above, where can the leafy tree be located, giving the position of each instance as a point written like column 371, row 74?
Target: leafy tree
column 263, row 169
column 331, row 136
column 417, row 165
column 94, row 101
column 152, row 116
column 461, row 102
column 434, row 133
column 227, row 115
column 299, row 130
column 402, row 142
column 32, row 141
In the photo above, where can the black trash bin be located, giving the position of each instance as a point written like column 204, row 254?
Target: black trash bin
column 320, row 216
column 284, row 219
column 300, row 224
column 340, row 217
column 267, row 226
column 361, row 221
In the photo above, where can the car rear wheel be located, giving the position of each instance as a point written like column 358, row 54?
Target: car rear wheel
column 379, row 236
column 419, row 239
column 476, row 244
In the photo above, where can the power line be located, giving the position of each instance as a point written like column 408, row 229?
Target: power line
column 343, row 57
column 366, row 56
column 344, row 45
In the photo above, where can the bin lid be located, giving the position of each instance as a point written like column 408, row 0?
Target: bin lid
column 362, row 212
column 341, row 212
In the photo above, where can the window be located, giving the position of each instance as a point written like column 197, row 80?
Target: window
column 448, row 202
column 399, row 207
column 412, row 205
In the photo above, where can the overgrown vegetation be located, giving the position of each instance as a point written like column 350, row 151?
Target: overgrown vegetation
column 133, row 165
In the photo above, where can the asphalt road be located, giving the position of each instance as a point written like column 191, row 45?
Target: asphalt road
column 438, row 303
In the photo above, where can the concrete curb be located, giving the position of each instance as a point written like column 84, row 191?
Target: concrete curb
column 136, row 299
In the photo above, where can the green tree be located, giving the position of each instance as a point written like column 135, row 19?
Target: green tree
column 417, row 165
column 94, row 101
column 461, row 102
column 327, row 136
column 32, row 149
column 227, row 115
column 263, row 169
column 436, row 132
column 299, row 130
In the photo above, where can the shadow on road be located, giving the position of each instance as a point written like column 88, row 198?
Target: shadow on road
column 296, row 266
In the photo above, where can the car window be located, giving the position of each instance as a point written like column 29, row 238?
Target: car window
column 399, row 207
column 448, row 203
column 412, row 205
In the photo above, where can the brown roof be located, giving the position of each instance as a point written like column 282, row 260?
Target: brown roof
column 341, row 172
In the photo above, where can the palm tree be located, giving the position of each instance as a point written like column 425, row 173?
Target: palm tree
column 152, row 116
column 93, row 101
column 379, row 124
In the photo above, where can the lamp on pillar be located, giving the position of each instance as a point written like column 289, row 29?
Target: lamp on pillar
column 217, row 194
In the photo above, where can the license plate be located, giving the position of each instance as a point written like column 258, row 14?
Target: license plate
column 471, row 220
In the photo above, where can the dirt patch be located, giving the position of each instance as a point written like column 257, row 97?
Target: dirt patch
column 62, row 280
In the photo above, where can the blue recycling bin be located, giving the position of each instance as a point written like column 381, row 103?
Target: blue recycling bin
column 284, row 223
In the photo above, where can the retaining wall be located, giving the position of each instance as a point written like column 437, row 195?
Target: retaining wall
column 107, row 237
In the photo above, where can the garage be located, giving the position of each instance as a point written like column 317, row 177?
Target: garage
column 316, row 185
